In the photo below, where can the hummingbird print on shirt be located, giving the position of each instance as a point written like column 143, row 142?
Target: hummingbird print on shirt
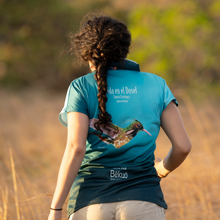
column 116, row 135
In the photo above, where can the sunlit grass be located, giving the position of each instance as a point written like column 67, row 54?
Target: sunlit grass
column 32, row 142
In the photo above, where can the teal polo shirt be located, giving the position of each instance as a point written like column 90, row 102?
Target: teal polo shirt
column 120, row 165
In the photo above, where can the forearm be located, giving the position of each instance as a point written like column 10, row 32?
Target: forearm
column 173, row 159
column 172, row 124
column 70, row 165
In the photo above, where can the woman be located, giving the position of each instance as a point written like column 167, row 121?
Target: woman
column 114, row 116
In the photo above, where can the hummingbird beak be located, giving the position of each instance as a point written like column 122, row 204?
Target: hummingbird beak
column 146, row 132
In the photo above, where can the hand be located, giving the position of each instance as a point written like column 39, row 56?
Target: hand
column 162, row 172
column 55, row 215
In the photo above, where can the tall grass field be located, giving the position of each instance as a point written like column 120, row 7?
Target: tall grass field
column 32, row 142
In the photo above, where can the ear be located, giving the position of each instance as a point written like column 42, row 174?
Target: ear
column 91, row 65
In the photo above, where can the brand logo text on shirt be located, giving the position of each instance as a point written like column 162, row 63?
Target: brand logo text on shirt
column 118, row 175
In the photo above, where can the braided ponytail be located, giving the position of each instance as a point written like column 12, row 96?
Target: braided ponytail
column 101, row 78
column 102, row 40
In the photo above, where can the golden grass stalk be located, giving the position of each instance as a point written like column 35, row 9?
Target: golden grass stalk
column 5, row 202
column 29, row 204
column 15, row 184
column 37, row 197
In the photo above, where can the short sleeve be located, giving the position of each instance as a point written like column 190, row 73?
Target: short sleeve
column 74, row 102
column 168, row 97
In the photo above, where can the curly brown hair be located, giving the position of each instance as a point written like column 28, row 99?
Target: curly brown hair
column 102, row 40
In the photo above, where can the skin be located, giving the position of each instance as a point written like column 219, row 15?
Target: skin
column 92, row 67
column 78, row 124
column 172, row 124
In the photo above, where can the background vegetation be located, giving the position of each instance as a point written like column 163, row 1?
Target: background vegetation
column 178, row 40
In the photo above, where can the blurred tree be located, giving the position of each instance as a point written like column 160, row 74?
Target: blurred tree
column 33, row 41
column 27, row 34
column 178, row 40
column 31, row 35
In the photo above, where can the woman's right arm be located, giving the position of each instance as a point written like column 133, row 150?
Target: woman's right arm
column 78, row 124
column 172, row 124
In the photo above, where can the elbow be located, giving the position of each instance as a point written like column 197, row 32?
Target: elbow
column 76, row 149
column 184, row 148
column 79, row 151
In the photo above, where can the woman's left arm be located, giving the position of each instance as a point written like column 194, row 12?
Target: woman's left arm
column 78, row 124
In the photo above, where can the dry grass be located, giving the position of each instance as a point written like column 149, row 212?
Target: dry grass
column 32, row 142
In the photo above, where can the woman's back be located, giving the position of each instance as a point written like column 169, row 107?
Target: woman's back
column 114, row 117
column 120, row 165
